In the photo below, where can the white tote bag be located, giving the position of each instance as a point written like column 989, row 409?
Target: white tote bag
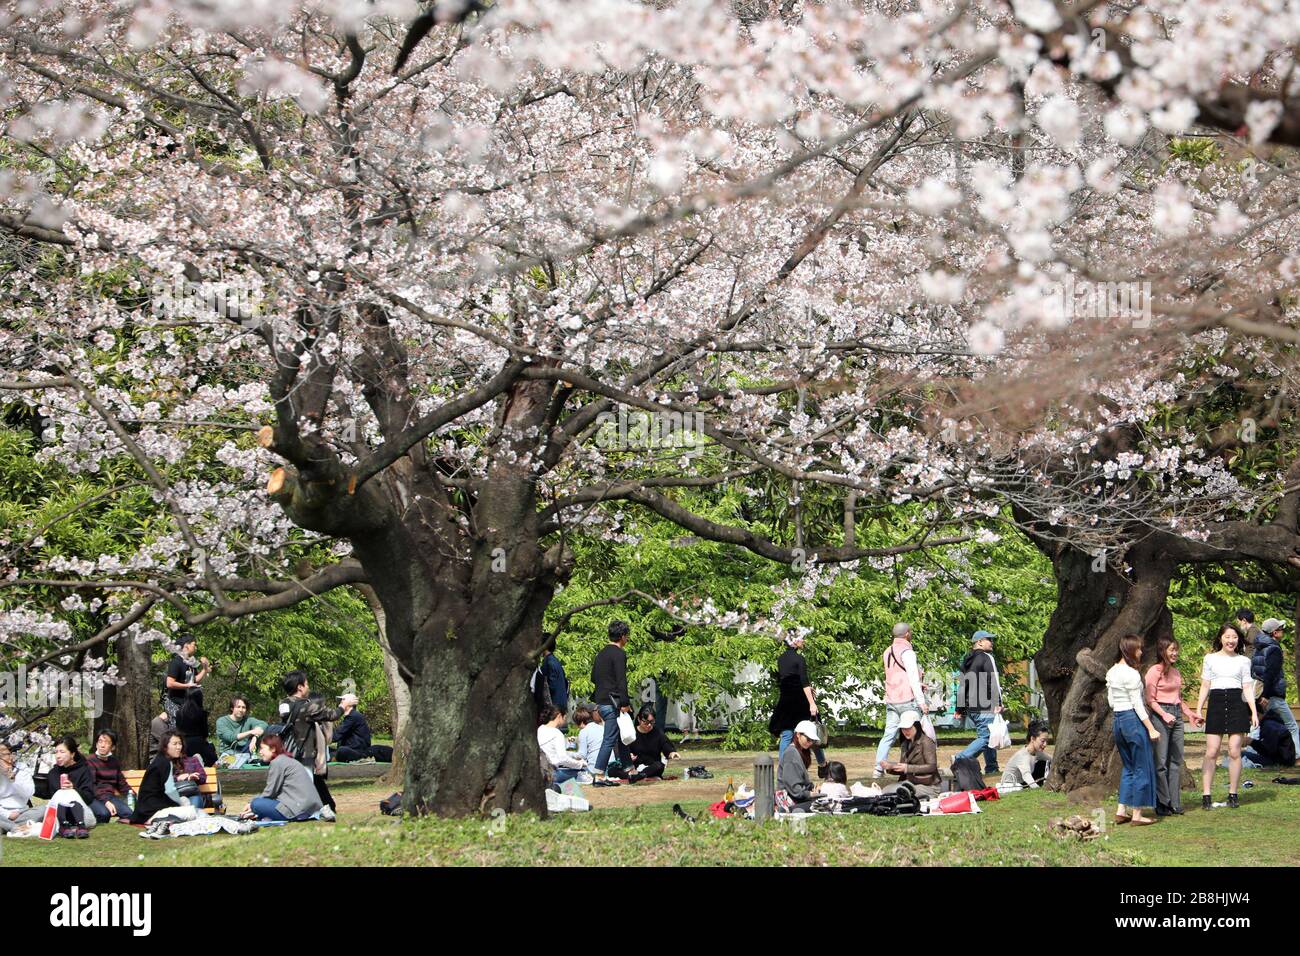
column 999, row 733
column 626, row 730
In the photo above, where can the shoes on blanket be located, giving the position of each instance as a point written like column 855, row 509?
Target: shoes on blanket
column 158, row 830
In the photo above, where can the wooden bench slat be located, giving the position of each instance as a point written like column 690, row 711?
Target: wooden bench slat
column 134, row 778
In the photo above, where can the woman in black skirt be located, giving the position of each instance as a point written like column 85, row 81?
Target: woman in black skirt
column 1227, row 685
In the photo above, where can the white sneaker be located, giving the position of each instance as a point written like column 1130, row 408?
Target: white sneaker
column 327, row 814
column 877, row 774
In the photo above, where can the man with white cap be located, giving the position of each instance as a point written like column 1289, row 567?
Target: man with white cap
column 1266, row 667
column 920, row 763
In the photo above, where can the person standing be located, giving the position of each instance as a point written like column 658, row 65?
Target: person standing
column 556, row 680
column 301, row 717
column 1134, row 732
column 903, row 693
column 1164, row 697
column 1247, row 631
column 795, row 702
column 1227, row 686
column 979, row 697
column 184, row 673
column 609, row 675
column 1266, row 667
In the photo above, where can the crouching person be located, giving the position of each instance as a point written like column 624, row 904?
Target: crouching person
column 920, row 763
column 792, row 767
column 290, row 793
column 1028, row 768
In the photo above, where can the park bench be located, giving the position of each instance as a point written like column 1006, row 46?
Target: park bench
column 209, row 788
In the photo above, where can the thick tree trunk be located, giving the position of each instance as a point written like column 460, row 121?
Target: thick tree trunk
column 129, row 708
column 1095, row 609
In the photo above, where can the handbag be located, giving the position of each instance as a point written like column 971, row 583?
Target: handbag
column 823, row 735
column 187, row 788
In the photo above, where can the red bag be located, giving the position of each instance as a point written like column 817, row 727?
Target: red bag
column 50, row 823
column 961, row 802
column 988, row 793
column 719, row 810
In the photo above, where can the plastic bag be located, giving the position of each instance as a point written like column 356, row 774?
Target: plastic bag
column 626, row 729
column 999, row 733
column 927, row 725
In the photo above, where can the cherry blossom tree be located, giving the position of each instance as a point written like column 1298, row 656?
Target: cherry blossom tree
column 464, row 280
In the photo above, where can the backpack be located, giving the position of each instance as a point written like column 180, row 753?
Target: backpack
column 966, row 774
column 391, row 806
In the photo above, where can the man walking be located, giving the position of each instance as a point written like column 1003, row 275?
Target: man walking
column 979, row 696
column 903, row 691
column 1266, row 667
column 609, row 675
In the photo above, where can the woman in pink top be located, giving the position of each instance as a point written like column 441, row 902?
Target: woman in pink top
column 1164, row 696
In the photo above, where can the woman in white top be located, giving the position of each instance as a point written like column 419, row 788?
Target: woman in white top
column 550, row 739
column 1227, row 684
column 1133, row 734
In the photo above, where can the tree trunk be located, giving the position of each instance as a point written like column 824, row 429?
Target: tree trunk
column 1095, row 609
column 129, row 708
column 399, row 688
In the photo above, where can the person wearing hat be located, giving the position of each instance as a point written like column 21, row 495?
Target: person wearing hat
column 795, row 703
column 184, row 673
column 903, row 691
column 920, row 763
column 352, row 733
column 1266, row 667
column 792, row 768
column 979, row 697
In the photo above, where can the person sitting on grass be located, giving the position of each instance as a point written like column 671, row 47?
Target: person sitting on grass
column 836, row 785
column 237, row 732
column 650, row 745
column 550, row 740
column 1028, row 768
column 159, row 802
column 290, row 792
column 111, row 788
column 792, row 767
column 352, row 733
column 71, row 785
column 17, row 785
column 920, row 763
column 591, row 731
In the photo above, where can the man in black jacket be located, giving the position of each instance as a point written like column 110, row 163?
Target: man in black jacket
column 300, row 714
column 1266, row 667
column 979, row 697
column 609, row 675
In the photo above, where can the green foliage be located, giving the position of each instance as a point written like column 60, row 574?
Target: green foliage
column 1005, row 586
column 1199, row 152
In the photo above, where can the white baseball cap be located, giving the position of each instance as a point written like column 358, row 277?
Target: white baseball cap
column 908, row 717
column 807, row 728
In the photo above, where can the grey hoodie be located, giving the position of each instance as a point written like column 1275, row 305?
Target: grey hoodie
column 289, row 783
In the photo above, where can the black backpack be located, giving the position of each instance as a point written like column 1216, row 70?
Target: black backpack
column 966, row 775
column 392, row 806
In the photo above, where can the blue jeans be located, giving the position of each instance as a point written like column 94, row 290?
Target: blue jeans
column 888, row 738
column 100, row 809
column 610, row 741
column 196, row 801
column 267, row 808
column 565, row 774
column 787, row 738
column 1137, row 781
column 981, row 742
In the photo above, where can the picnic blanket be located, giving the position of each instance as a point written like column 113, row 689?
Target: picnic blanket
column 206, row 825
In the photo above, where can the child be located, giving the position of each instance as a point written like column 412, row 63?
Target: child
column 836, row 783
column 590, row 733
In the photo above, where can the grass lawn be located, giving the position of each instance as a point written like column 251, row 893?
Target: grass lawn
column 635, row 826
